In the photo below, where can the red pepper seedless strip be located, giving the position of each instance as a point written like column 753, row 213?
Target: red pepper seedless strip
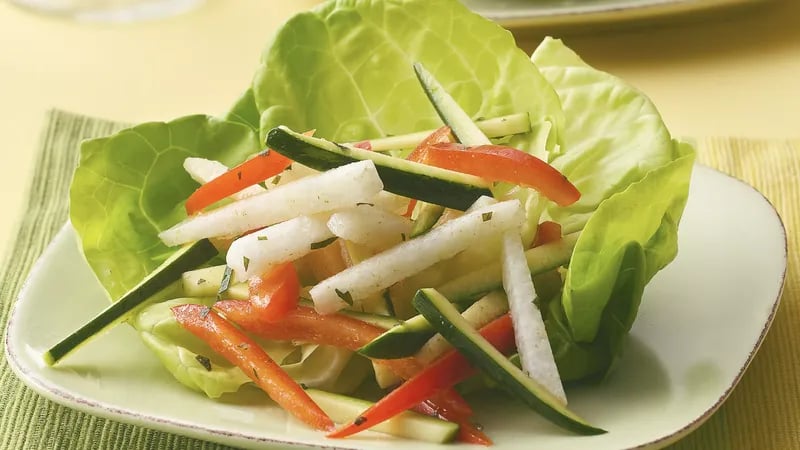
column 306, row 325
column 275, row 293
column 236, row 347
column 443, row 373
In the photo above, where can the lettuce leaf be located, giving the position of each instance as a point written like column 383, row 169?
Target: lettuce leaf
column 613, row 135
column 613, row 139
column 131, row 185
column 345, row 69
column 630, row 237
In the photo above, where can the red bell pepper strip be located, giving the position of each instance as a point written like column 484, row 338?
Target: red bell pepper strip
column 443, row 373
column 301, row 324
column 500, row 163
column 468, row 432
column 255, row 170
column 306, row 325
column 276, row 292
column 227, row 340
column 547, row 232
column 442, row 135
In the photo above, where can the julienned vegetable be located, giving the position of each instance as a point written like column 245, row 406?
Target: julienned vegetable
column 601, row 136
column 236, row 347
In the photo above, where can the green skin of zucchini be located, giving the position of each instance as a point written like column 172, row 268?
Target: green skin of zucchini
column 445, row 318
column 406, row 178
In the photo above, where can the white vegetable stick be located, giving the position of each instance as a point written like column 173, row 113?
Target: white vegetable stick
column 391, row 202
column 341, row 187
column 370, row 226
column 254, row 253
column 410, row 257
column 535, row 354
column 204, row 170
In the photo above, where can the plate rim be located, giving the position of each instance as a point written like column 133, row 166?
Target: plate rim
column 612, row 12
column 170, row 425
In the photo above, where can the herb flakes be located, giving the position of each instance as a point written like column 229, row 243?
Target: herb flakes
column 322, row 244
column 205, row 362
column 345, row 296
column 487, row 216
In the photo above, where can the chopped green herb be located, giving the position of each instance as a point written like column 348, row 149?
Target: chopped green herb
column 487, row 216
column 200, row 281
column 205, row 362
column 304, row 386
column 321, row 244
column 345, row 296
column 262, row 238
column 225, row 283
column 402, row 237
column 289, row 167
column 276, row 179
column 245, row 262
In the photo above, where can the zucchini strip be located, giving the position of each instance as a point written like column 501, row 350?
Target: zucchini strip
column 447, row 321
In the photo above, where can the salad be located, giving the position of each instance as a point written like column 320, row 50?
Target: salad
column 403, row 208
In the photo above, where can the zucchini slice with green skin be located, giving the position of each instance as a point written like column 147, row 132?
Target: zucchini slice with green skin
column 186, row 258
column 407, row 178
column 464, row 129
column 400, row 341
column 449, row 110
column 449, row 323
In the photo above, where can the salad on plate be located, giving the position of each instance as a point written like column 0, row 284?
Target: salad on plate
column 402, row 209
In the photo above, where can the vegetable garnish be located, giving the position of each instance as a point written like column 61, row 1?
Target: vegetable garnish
column 510, row 112
column 236, row 347
column 276, row 292
column 445, row 372
column 501, row 163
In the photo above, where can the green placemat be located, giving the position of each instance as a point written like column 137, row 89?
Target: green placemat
column 762, row 413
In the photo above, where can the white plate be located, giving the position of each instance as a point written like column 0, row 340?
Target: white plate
column 701, row 321
column 517, row 13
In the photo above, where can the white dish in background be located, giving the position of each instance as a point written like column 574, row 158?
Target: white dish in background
column 700, row 324
column 520, row 13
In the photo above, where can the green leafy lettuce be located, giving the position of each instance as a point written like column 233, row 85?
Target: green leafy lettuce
column 613, row 138
column 345, row 69
column 131, row 185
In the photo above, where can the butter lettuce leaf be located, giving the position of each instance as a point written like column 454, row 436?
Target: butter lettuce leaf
column 613, row 140
column 244, row 111
column 131, row 185
column 646, row 214
column 630, row 237
column 613, row 134
column 345, row 69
